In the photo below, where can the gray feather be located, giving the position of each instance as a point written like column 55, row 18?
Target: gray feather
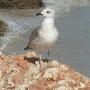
column 33, row 38
column 34, row 35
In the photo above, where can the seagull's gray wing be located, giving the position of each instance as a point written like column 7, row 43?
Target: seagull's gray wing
column 33, row 37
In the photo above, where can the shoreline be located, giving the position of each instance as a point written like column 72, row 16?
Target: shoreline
column 21, row 12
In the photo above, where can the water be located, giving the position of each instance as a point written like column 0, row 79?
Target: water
column 76, row 31
column 73, row 50
column 62, row 6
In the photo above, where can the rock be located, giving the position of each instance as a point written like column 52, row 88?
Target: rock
column 3, row 28
column 31, row 55
column 53, row 63
column 0, row 74
column 51, row 73
column 19, row 73
column 64, row 67
column 20, row 4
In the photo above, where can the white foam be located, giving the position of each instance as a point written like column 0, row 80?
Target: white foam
column 62, row 6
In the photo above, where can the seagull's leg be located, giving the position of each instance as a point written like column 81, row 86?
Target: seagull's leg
column 40, row 61
column 40, row 57
column 48, row 55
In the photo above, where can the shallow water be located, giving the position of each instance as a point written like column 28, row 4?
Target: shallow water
column 76, row 31
column 73, row 50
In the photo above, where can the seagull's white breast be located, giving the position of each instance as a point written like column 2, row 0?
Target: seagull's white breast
column 49, row 36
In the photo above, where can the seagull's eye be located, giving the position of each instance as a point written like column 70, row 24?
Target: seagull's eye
column 48, row 12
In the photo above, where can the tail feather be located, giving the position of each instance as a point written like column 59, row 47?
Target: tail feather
column 26, row 48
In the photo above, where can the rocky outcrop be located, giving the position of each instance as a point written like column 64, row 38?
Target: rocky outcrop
column 20, row 4
column 3, row 28
column 23, row 72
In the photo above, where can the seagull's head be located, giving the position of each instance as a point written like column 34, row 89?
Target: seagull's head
column 48, row 13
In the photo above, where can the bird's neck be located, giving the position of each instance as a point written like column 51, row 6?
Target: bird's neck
column 48, row 23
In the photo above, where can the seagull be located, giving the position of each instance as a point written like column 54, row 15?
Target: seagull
column 44, row 38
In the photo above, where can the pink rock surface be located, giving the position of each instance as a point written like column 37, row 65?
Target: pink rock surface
column 22, row 73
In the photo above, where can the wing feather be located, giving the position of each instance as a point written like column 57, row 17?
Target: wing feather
column 34, row 35
column 33, row 38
